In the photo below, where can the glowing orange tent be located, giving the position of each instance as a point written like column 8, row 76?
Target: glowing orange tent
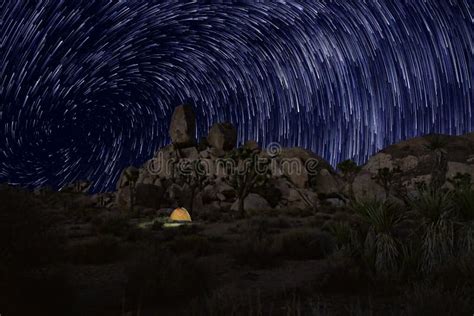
column 180, row 215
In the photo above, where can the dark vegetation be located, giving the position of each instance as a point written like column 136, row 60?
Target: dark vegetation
column 372, row 257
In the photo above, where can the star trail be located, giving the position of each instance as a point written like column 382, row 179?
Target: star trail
column 87, row 87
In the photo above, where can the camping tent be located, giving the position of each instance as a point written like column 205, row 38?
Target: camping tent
column 180, row 215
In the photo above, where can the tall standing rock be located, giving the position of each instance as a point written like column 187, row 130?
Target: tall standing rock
column 183, row 126
column 222, row 136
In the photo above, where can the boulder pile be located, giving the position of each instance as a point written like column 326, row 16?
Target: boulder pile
column 298, row 179
column 161, row 183
column 416, row 161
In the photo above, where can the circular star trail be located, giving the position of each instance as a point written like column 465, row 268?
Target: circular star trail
column 88, row 87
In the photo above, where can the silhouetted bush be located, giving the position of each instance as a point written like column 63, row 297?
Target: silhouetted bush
column 192, row 244
column 100, row 250
column 255, row 251
column 112, row 224
column 433, row 299
column 158, row 277
column 343, row 275
column 30, row 247
column 305, row 244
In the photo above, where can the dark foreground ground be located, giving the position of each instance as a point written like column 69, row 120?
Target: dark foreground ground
column 369, row 259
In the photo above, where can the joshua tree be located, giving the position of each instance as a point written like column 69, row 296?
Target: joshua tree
column 387, row 178
column 131, row 174
column 195, row 175
column 245, row 172
column 436, row 145
column 349, row 170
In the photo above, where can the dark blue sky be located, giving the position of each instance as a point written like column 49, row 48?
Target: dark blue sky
column 88, row 87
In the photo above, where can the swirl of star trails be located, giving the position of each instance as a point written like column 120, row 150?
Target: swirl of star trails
column 88, row 87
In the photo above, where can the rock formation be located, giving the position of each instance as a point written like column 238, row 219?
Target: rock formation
column 416, row 161
column 183, row 126
column 298, row 178
column 222, row 136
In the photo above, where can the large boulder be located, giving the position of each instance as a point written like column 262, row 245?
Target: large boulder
column 302, row 199
column 252, row 203
column 305, row 155
column 299, row 165
column 183, row 126
column 325, row 182
column 222, row 136
column 365, row 187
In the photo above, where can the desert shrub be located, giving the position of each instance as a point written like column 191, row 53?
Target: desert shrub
column 193, row 244
column 100, row 250
column 30, row 245
column 342, row 232
column 343, row 275
column 305, row 244
column 433, row 299
column 456, row 273
column 158, row 277
column 297, row 212
column 263, row 225
column 255, row 251
column 136, row 234
column 170, row 233
column 28, row 236
column 212, row 217
column 279, row 222
column 231, row 302
column 112, row 224
column 38, row 292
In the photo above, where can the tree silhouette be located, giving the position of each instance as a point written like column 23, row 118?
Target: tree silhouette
column 349, row 170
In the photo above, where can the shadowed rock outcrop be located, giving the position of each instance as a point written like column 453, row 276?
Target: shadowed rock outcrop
column 222, row 136
column 183, row 126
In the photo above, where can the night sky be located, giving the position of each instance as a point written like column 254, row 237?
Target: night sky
column 88, row 87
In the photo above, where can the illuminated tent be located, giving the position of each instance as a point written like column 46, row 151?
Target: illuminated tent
column 180, row 215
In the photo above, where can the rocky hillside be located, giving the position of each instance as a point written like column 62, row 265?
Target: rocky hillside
column 416, row 161
column 296, row 176
column 298, row 179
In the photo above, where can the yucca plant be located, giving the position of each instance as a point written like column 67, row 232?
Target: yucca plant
column 381, row 248
column 436, row 209
column 383, row 216
column 432, row 205
column 464, row 204
column 410, row 259
column 438, row 244
column 346, row 238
